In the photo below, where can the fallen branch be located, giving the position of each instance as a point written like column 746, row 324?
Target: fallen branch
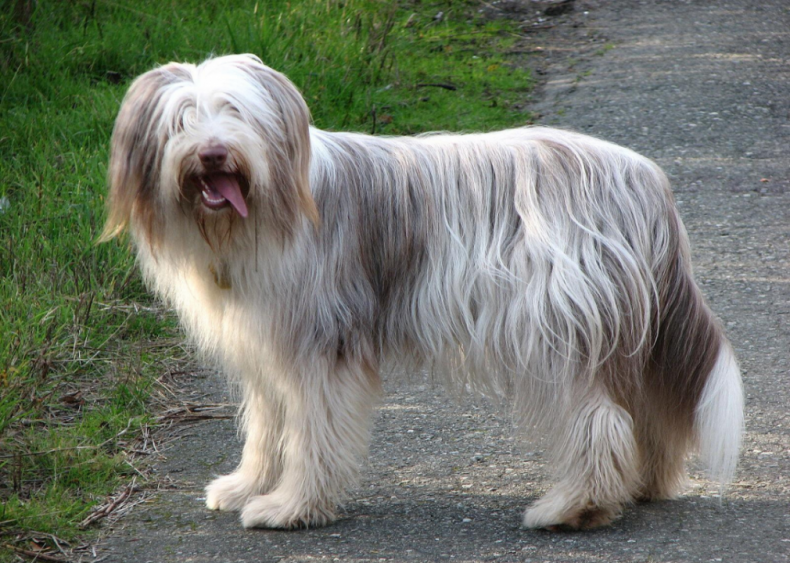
column 195, row 412
column 444, row 85
column 107, row 509
column 36, row 555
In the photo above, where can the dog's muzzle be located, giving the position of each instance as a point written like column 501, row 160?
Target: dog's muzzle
column 219, row 188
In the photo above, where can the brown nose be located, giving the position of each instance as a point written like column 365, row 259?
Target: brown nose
column 213, row 157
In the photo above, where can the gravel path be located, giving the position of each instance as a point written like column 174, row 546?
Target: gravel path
column 704, row 89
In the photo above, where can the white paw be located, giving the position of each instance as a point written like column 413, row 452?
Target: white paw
column 559, row 511
column 280, row 511
column 545, row 513
column 230, row 492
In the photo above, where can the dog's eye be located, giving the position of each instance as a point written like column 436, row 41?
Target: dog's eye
column 229, row 107
column 183, row 120
column 178, row 125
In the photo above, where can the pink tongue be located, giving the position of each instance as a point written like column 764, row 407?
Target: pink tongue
column 227, row 185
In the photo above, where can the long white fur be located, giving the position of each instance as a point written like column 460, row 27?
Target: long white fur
column 719, row 418
column 530, row 263
column 602, row 479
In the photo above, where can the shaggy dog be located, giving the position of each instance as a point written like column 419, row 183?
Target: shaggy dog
column 540, row 265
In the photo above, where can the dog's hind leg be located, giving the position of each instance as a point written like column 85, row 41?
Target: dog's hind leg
column 326, row 431
column 598, row 468
column 261, row 458
column 664, row 442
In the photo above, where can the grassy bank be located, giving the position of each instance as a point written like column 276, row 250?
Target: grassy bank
column 82, row 345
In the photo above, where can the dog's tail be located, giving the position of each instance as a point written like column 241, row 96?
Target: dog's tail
column 699, row 381
column 719, row 416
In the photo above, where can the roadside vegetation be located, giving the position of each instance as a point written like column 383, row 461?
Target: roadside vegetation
column 85, row 353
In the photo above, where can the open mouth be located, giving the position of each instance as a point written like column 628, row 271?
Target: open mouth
column 221, row 189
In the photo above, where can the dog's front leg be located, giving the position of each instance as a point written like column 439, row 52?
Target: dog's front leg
column 326, row 429
column 261, row 460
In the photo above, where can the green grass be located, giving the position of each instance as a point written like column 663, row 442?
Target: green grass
column 81, row 342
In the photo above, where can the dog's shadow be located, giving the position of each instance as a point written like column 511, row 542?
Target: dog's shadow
column 427, row 524
column 425, row 512
column 430, row 526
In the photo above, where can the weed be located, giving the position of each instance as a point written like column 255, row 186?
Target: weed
column 605, row 49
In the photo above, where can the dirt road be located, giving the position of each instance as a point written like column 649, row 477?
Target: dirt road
column 704, row 89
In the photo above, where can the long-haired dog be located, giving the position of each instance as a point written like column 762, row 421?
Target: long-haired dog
column 544, row 266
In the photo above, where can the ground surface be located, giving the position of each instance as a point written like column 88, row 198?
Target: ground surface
column 704, row 89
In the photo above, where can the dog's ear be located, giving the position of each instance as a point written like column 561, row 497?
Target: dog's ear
column 290, row 162
column 135, row 154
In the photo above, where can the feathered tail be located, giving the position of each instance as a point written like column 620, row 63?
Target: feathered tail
column 699, row 380
column 718, row 418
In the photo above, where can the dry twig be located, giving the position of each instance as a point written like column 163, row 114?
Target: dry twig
column 36, row 555
column 108, row 508
column 195, row 412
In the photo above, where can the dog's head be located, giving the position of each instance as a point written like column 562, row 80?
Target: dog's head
column 224, row 142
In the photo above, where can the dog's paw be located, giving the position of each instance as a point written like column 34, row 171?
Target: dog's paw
column 557, row 512
column 229, row 492
column 278, row 511
column 586, row 518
